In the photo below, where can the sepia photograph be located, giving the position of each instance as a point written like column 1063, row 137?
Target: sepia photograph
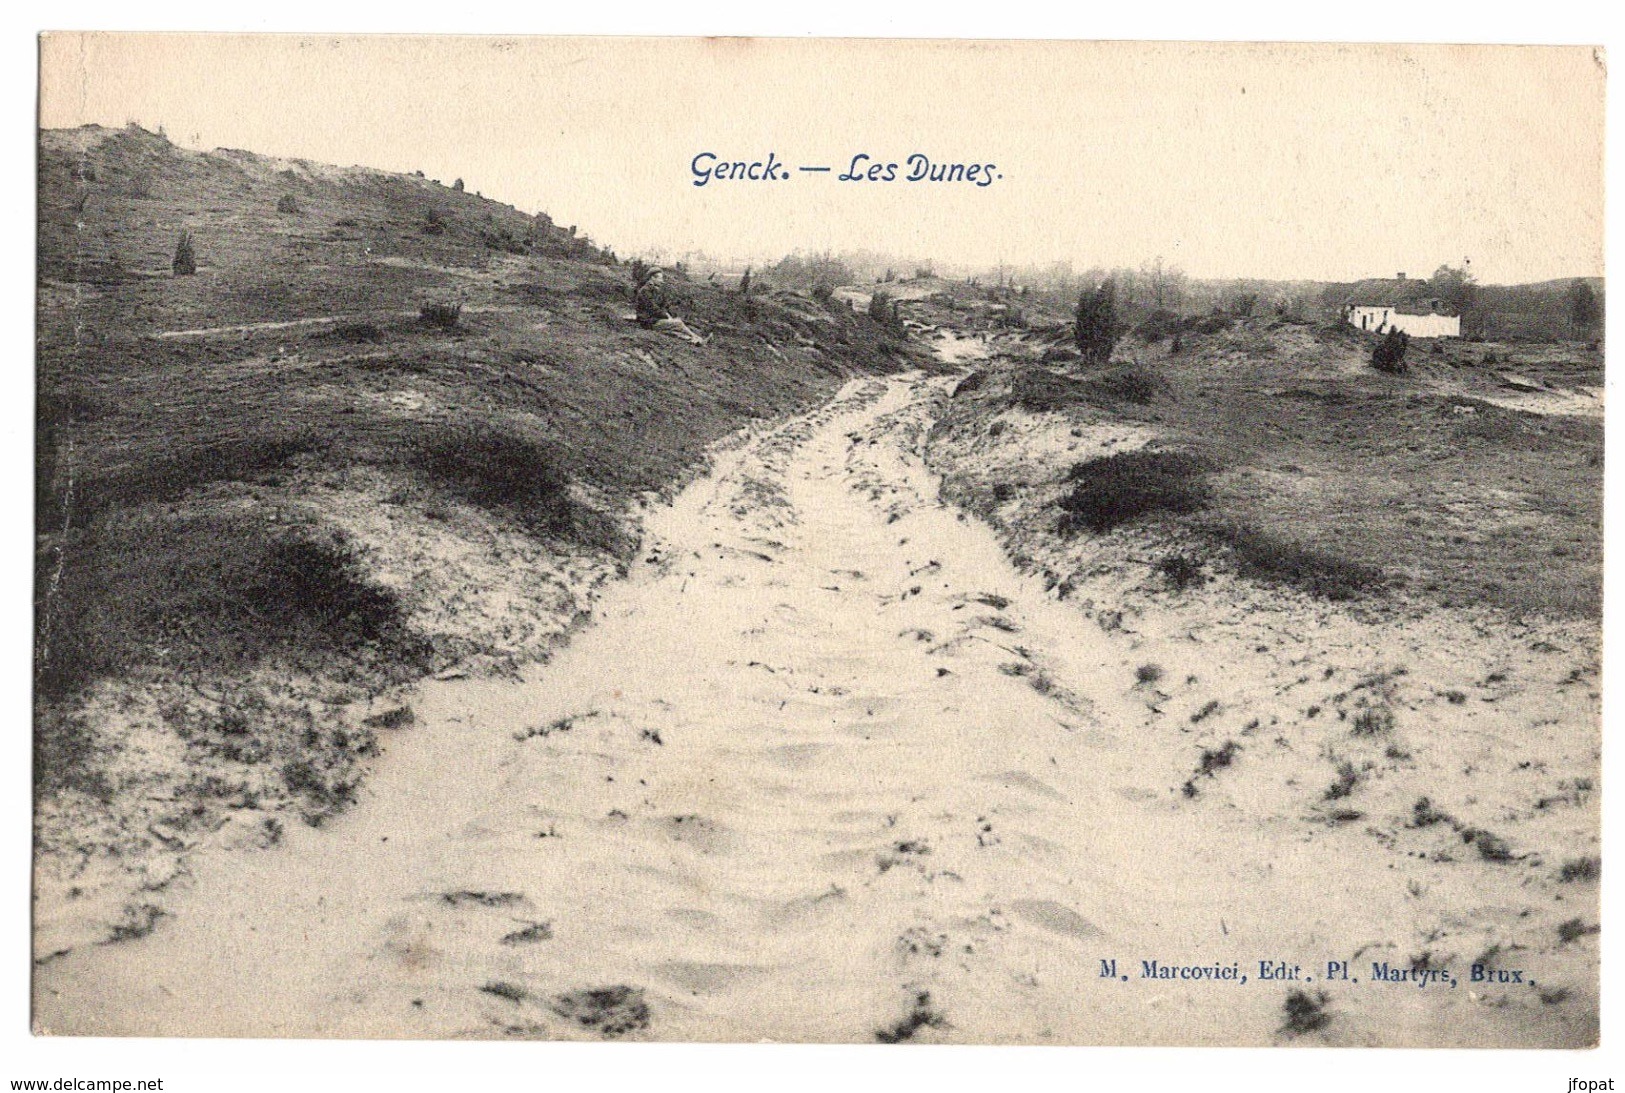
column 818, row 541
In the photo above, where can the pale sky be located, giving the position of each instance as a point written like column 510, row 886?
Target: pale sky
column 1280, row 161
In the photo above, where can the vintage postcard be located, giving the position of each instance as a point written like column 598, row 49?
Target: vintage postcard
column 813, row 540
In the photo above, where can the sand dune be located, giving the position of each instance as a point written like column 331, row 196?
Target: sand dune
column 826, row 767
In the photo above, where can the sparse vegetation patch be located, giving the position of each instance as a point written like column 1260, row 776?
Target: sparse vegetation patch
column 1211, row 761
column 1373, row 721
column 1348, row 776
column 1581, row 869
column 922, row 1014
column 441, row 314
column 612, row 1012
column 1305, row 1012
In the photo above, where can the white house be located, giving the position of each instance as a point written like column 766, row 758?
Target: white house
column 1380, row 305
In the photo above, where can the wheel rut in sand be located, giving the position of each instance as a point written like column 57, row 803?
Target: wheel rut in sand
column 826, row 767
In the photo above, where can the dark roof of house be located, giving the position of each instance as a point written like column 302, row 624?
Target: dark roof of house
column 1402, row 294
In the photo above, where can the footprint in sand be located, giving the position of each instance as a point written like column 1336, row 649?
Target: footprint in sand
column 702, row 978
column 1056, row 918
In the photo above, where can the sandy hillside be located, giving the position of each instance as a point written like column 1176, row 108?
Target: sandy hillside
column 388, row 429
column 829, row 767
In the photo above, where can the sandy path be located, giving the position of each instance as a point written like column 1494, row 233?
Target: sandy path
column 826, row 767
column 321, row 320
column 281, row 324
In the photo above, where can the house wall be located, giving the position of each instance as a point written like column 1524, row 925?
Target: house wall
column 1370, row 318
column 1429, row 326
column 1377, row 319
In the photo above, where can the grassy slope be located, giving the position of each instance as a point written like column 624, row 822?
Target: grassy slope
column 269, row 491
column 1417, row 477
column 1414, row 475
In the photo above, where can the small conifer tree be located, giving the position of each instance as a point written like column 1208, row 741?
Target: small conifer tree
column 185, row 263
column 1097, row 322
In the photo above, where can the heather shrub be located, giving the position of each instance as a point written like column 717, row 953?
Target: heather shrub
column 1119, row 489
column 1096, row 325
column 441, row 314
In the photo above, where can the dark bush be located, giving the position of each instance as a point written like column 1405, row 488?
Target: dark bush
column 973, row 382
column 1574, row 929
column 1126, row 383
column 1261, row 555
column 181, row 467
column 501, row 471
column 443, row 315
column 1157, row 325
column 434, row 223
column 1388, row 355
column 610, row 1011
column 287, row 203
column 923, row 1015
column 1182, row 572
column 1039, row 390
column 213, row 591
column 65, row 754
column 320, row 581
column 1118, row 489
column 503, row 241
column 881, row 307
